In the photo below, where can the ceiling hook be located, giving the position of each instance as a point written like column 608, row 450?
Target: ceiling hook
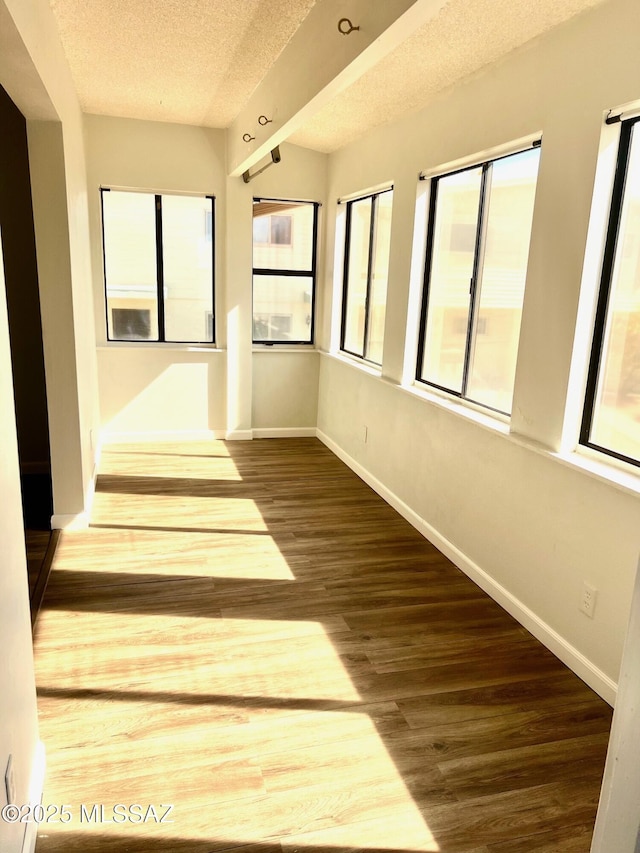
column 264, row 120
column 246, row 137
column 346, row 30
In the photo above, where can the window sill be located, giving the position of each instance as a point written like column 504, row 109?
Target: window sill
column 359, row 363
column 158, row 345
column 283, row 348
column 617, row 474
column 494, row 421
column 621, row 475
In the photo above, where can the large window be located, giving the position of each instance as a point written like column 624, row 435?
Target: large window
column 366, row 264
column 158, row 266
column 284, row 270
column 612, row 412
column 477, row 250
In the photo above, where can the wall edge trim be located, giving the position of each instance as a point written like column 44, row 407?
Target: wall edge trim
column 555, row 642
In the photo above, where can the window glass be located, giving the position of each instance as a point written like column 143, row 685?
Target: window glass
column 129, row 228
column 131, row 324
column 379, row 275
column 283, row 270
column 188, row 267
column 278, row 297
column 357, row 276
column 281, row 227
column 500, row 291
column 158, row 288
column 477, row 252
column 613, row 406
column 366, row 272
column 452, row 260
column 282, row 235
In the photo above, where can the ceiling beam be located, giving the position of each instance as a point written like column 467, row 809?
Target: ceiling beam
column 318, row 63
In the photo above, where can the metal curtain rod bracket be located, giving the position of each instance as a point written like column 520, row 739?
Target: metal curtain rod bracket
column 348, row 29
column 275, row 158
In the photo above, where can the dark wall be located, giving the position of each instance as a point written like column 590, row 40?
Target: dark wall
column 23, row 303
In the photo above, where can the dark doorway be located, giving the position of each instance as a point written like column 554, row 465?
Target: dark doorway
column 25, row 330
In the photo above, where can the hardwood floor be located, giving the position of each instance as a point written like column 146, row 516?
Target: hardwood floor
column 41, row 547
column 37, row 543
column 248, row 633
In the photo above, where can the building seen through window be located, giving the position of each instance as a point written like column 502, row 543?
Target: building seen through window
column 284, row 265
column 159, row 266
column 477, row 251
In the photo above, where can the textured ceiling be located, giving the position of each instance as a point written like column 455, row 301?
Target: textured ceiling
column 198, row 61
column 188, row 61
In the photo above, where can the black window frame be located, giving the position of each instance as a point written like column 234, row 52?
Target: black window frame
column 310, row 273
column 345, row 274
column 604, row 291
column 209, row 234
column 478, row 259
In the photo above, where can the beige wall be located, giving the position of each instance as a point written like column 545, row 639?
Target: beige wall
column 285, row 389
column 146, row 389
column 34, row 73
column 140, row 383
column 18, row 719
column 527, row 525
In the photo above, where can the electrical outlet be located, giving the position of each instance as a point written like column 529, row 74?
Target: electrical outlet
column 9, row 782
column 588, row 599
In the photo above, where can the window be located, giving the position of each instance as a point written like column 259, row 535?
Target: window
column 366, row 264
column 131, row 324
column 284, row 270
column 611, row 420
column 272, row 230
column 158, row 266
column 477, row 250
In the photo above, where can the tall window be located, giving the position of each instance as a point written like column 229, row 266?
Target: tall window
column 611, row 420
column 158, row 266
column 284, row 270
column 366, row 264
column 477, row 250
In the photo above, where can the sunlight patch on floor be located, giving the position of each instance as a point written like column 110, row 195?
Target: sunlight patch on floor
column 164, row 554
column 320, row 779
column 202, row 463
column 195, row 657
column 208, row 513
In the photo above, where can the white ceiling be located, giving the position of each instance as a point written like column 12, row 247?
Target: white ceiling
column 198, row 61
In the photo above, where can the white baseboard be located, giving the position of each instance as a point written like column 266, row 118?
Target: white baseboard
column 285, row 432
column 239, row 435
column 160, row 435
column 91, row 492
column 79, row 521
column 567, row 653
column 69, row 521
column 36, row 786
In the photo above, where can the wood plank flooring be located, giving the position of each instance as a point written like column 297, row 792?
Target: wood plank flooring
column 41, row 547
column 250, row 634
